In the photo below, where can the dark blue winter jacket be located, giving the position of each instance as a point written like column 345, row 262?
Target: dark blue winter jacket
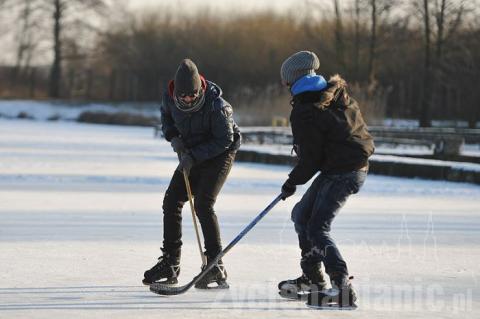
column 208, row 132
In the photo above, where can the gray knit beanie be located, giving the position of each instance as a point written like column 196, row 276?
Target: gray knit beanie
column 298, row 65
column 187, row 80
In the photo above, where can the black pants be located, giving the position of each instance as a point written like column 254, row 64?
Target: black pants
column 206, row 181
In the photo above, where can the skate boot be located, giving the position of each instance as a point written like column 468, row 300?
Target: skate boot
column 312, row 279
column 216, row 276
column 165, row 271
column 342, row 295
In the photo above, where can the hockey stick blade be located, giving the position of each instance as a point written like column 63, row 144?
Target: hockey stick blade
column 167, row 290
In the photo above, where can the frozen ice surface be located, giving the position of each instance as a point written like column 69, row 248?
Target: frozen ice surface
column 81, row 219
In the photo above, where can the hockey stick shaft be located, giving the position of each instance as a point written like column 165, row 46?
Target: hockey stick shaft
column 163, row 289
column 194, row 217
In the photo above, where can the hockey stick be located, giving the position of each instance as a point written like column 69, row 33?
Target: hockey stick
column 163, row 289
column 194, row 217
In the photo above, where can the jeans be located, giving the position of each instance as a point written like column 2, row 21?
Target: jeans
column 206, row 181
column 314, row 214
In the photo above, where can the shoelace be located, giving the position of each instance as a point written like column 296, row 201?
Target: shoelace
column 161, row 262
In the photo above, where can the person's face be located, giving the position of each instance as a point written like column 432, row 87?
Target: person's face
column 189, row 98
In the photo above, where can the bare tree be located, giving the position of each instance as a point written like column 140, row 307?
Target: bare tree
column 357, row 39
column 373, row 42
column 377, row 9
column 26, row 40
column 5, row 5
column 441, row 19
column 449, row 16
column 60, row 10
column 56, row 69
column 339, row 42
column 474, row 70
column 66, row 17
column 425, row 116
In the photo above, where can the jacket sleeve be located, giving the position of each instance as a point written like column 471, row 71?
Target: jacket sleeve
column 308, row 145
column 168, row 126
column 221, row 134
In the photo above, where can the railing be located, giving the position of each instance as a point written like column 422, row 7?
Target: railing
column 442, row 141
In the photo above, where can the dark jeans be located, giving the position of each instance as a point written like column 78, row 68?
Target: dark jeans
column 206, row 181
column 314, row 214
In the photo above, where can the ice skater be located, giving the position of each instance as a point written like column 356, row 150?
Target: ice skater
column 198, row 123
column 331, row 137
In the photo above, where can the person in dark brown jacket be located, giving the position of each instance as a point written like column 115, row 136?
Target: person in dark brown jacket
column 330, row 137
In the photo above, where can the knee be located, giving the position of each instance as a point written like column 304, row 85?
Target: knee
column 318, row 234
column 172, row 203
column 299, row 218
column 204, row 206
column 300, row 229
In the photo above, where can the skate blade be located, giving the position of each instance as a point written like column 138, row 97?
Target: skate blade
column 294, row 295
column 214, row 286
column 332, row 306
column 168, row 281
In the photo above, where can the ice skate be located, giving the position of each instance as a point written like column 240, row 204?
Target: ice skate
column 341, row 296
column 166, row 271
column 312, row 279
column 216, row 278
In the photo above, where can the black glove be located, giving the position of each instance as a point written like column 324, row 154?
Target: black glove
column 288, row 189
column 186, row 162
column 177, row 145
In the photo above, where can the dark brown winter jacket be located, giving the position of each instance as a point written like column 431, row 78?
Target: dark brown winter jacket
column 329, row 133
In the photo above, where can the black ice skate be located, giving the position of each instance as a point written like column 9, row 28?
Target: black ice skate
column 216, row 278
column 166, row 271
column 341, row 296
column 312, row 279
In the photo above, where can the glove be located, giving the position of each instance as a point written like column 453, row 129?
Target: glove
column 186, row 162
column 177, row 145
column 288, row 189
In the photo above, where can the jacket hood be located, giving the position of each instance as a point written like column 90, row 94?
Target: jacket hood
column 335, row 91
column 212, row 91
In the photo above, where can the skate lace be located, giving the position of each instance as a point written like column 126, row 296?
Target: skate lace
column 163, row 262
column 301, row 282
column 221, row 269
column 303, row 279
column 346, row 283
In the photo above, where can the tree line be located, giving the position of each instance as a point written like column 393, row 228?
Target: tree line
column 417, row 59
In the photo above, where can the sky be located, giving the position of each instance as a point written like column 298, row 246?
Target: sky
column 246, row 5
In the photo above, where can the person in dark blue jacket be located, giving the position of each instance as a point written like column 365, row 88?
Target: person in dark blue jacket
column 198, row 123
column 330, row 137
